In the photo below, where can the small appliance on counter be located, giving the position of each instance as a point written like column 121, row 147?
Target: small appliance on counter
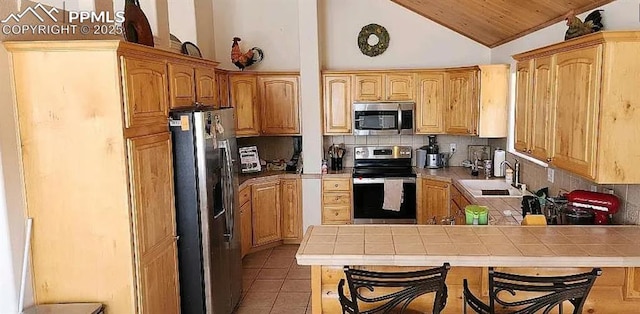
column 581, row 207
column 499, row 155
column 434, row 161
column 249, row 160
column 421, row 157
column 293, row 164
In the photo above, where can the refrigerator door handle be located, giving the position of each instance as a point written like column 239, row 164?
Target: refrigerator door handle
column 228, row 189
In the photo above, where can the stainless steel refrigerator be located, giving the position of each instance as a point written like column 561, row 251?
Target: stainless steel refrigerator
column 205, row 156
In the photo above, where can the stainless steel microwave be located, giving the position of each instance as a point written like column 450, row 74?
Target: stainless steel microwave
column 388, row 118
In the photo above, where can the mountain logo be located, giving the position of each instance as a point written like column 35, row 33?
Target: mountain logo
column 33, row 10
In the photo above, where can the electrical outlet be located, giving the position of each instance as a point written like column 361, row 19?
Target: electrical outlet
column 593, row 188
column 550, row 174
column 608, row 191
column 453, row 147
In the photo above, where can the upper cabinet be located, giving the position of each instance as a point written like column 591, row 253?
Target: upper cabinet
column 462, row 102
column 145, row 90
column 368, row 87
column 206, row 87
column 430, row 103
column 280, row 105
column 399, row 86
column 523, row 105
column 493, row 113
column 182, row 88
column 580, row 114
column 222, row 80
column 337, row 103
column 266, row 104
column 384, row 87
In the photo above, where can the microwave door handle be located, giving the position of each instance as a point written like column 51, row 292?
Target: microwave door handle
column 399, row 119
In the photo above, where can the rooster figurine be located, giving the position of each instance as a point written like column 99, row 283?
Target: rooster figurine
column 592, row 23
column 243, row 60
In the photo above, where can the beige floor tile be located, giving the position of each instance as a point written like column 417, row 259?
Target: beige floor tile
column 378, row 248
column 411, row 248
column 350, row 230
column 250, row 273
column 534, row 250
column 503, row 250
column 600, row 250
column 493, row 239
column 349, row 248
column 278, row 262
column 299, row 272
column 377, row 230
column 441, row 249
column 252, row 310
column 266, row 285
column 436, row 238
column 431, row 230
column 296, row 285
column 246, row 283
column 472, row 249
column 350, row 238
column 286, row 247
column 292, row 300
column 322, row 238
column 324, row 230
column 404, row 230
column 259, row 299
column 319, row 249
column 292, row 310
column 566, row 250
column 465, row 238
column 272, row 274
column 378, row 238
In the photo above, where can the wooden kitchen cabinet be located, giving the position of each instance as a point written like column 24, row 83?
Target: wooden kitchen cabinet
column 336, row 201
column 244, row 97
column 112, row 190
column 222, row 80
column 523, row 105
column 206, row 87
column 266, row 216
column 430, row 103
column 182, row 85
column 246, row 226
column 399, row 86
column 369, row 87
column 337, row 101
column 291, row 207
column 462, row 102
column 280, row 103
column 433, row 201
column 540, row 139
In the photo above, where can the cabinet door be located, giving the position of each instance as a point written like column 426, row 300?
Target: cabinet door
column 206, row 87
column 369, row 87
column 280, row 105
column 222, row 79
column 399, row 86
column 154, row 228
column 291, row 209
column 244, row 97
column 265, row 203
column 246, row 228
column 540, row 139
column 576, row 104
column 435, row 201
column 337, row 104
column 462, row 109
column 523, row 106
column 145, row 92
column 182, row 88
column 430, row 104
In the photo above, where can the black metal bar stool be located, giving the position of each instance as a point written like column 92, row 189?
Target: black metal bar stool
column 572, row 288
column 410, row 286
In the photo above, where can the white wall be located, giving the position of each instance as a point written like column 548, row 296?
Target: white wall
column 270, row 25
column 182, row 22
column 415, row 40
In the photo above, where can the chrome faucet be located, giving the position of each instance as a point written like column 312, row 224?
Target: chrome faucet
column 516, row 171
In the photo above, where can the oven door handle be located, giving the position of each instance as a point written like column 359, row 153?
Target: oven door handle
column 381, row 180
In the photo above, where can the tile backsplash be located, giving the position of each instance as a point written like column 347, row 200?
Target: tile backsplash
column 270, row 147
column 415, row 141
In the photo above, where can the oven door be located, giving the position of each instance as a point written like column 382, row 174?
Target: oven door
column 368, row 196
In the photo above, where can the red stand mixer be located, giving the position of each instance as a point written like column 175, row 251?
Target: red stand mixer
column 603, row 205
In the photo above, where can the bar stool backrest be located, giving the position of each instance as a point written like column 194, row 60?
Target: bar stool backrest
column 411, row 285
column 572, row 288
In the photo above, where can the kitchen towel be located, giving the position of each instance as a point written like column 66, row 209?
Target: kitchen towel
column 393, row 197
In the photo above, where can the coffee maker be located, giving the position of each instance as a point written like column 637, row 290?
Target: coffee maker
column 434, row 159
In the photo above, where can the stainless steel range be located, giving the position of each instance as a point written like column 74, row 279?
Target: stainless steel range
column 373, row 165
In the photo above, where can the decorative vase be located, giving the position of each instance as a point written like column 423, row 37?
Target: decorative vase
column 136, row 27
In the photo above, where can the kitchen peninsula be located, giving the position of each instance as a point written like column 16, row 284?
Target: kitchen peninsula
column 538, row 250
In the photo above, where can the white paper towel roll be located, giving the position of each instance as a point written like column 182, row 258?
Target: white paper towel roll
column 499, row 156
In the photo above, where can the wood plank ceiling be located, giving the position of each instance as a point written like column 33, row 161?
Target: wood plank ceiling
column 495, row 22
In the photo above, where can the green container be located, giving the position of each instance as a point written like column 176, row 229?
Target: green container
column 481, row 213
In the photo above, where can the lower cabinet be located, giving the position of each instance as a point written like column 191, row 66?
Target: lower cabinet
column 265, row 214
column 336, row 201
column 433, row 201
column 291, row 208
column 246, row 232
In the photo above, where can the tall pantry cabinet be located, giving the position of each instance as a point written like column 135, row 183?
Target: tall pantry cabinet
column 98, row 171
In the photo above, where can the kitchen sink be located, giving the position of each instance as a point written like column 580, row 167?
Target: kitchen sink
column 491, row 188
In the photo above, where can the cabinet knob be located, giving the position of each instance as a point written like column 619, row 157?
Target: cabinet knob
column 337, row 198
column 529, row 151
column 335, row 185
column 548, row 159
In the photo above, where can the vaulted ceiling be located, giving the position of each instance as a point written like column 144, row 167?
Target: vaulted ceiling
column 495, row 22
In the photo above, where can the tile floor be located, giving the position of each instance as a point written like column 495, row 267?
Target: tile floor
column 274, row 283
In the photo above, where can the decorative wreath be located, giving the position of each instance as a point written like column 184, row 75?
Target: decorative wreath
column 383, row 40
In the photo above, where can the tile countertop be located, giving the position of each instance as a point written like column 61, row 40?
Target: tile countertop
column 473, row 246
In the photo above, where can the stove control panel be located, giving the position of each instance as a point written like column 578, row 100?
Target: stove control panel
column 383, row 152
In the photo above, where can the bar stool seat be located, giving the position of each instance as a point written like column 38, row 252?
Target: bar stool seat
column 550, row 292
column 400, row 289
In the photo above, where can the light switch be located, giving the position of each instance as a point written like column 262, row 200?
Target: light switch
column 550, row 174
